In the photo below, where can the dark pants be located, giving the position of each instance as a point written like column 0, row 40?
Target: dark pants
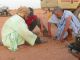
column 74, row 47
column 33, row 25
column 31, row 28
column 38, row 41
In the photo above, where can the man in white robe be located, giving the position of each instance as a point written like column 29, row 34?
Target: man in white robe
column 15, row 31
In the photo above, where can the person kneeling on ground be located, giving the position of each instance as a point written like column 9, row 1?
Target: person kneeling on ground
column 32, row 20
column 67, row 21
column 15, row 32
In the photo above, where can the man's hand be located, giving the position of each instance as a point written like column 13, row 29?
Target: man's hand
column 62, row 37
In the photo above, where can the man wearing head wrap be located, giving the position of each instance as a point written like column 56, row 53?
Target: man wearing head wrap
column 15, row 32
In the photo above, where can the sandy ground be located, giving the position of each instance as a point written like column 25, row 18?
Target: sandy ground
column 50, row 50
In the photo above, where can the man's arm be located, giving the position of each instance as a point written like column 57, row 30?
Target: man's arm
column 67, row 23
column 68, row 19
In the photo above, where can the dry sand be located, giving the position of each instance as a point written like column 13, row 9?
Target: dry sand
column 50, row 50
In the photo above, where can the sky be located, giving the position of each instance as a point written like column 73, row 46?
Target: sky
column 13, row 4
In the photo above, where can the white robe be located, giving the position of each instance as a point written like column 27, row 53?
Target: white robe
column 15, row 32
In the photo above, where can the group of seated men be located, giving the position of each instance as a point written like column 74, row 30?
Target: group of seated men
column 18, row 29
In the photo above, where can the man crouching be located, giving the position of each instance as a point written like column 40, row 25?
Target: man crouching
column 15, row 32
